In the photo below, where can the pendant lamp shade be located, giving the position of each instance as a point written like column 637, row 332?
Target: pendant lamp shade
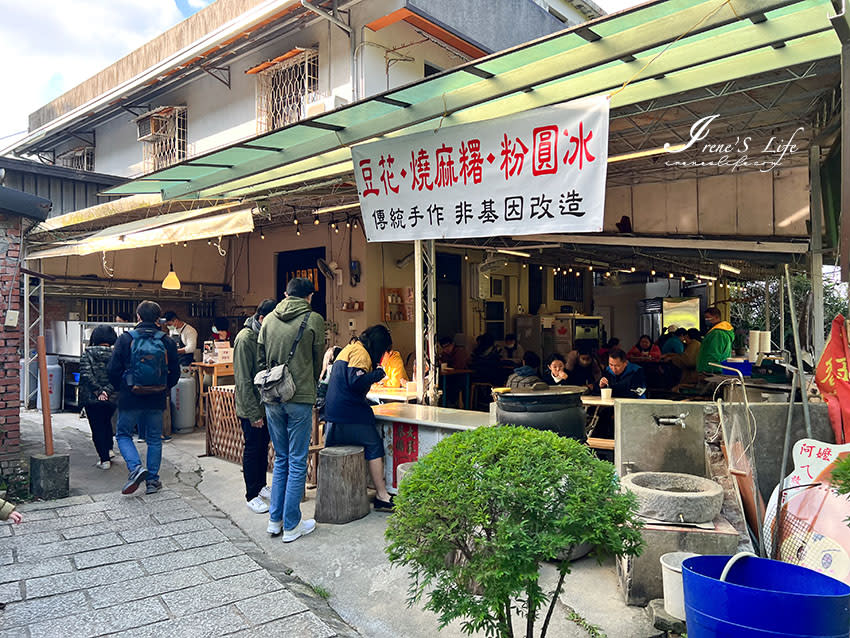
column 171, row 282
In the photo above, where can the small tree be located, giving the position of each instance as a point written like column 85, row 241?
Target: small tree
column 475, row 518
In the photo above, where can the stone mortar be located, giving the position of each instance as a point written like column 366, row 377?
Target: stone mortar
column 675, row 498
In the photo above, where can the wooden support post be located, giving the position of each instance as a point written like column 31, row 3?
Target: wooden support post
column 45, row 396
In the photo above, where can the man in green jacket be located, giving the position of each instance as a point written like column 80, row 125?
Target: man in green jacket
column 717, row 344
column 290, row 423
column 250, row 410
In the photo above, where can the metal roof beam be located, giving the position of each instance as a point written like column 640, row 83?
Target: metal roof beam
column 738, row 245
column 642, row 37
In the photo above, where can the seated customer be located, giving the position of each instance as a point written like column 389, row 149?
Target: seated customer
column 602, row 354
column 526, row 375
column 676, row 343
column 453, row 355
column 350, row 420
column 644, row 349
column 485, row 360
column 557, row 374
column 394, row 367
column 625, row 379
column 686, row 361
column 512, row 351
column 582, row 368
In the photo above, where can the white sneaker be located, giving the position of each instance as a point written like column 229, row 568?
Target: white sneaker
column 258, row 505
column 105, row 465
column 302, row 529
column 275, row 527
column 266, row 493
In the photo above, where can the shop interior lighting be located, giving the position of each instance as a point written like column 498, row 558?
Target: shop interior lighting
column 171, row 282
column 315, row 219
column 334, row 209
column 295, row 221
column 647, row 153
column 262, row 234
column 732, row 269
column 515, row 253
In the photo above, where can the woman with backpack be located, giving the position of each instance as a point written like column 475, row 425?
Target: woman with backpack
column 97, row 394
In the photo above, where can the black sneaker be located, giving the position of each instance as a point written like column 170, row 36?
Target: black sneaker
column 384, row 506
column 136, row 477
column 153, row 487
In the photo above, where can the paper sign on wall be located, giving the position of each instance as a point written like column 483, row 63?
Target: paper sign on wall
column 539, row 172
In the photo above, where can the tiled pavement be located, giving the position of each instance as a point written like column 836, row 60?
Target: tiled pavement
column 168, row 564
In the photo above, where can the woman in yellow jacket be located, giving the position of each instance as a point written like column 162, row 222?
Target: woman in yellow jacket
column 394, row 367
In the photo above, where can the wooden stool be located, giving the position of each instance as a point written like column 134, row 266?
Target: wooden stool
column 341, row 495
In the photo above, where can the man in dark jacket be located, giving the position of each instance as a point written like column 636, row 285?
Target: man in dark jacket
column 625, row 379
column 250, row 410
column 142, row 409
column 290, row 423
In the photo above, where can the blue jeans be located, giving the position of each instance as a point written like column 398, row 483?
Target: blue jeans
column 289, row 429
column 150, row 423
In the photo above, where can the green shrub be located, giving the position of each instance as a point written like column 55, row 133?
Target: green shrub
column 476, row 517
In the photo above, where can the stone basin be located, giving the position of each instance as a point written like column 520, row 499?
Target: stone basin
column 675, row 498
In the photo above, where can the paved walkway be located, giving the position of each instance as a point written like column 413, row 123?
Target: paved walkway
column 169, row 564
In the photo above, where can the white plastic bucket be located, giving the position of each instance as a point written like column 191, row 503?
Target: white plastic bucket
column 671, row 576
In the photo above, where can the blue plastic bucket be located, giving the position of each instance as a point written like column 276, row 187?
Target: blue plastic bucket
column 762, row 598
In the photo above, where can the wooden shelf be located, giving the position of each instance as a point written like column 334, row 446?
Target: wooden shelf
column 397, row 304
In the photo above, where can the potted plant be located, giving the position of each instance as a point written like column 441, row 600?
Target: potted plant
column 475, row 518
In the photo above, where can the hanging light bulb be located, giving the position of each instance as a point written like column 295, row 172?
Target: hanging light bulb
column 295, row 221
column 524, row 265
column 570, row 269
column 632, row 268
column 209, row 242
column 348, row 222
column 336, row 229
column 607, row 273
column 354, row 224
column 185, row 244
column 333, row 225
column 683, row 278
column 721, row 284
column 652, row 272
column 315, row 220
column 262, row 234
column 578, row 273
column 171, row 282
column 298, row 232
column 541, row 267
column 670, row 275
column 466, row 256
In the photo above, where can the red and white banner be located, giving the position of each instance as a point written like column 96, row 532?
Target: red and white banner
column 540, row 172
column 832, row 376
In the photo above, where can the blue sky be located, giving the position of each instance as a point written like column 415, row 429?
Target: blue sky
column 75, row 39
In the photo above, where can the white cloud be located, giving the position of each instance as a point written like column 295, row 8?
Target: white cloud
column 48, row 47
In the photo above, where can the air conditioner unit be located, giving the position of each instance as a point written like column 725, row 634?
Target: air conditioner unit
column 323, row 105
column 152, row 126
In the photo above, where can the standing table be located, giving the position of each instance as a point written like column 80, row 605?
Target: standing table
column 411, row 431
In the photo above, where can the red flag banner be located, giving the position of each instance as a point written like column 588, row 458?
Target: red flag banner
column 833, row 379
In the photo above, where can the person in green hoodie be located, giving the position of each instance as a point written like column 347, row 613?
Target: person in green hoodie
column 717, row 344
column 250, row 410
column 290, row 423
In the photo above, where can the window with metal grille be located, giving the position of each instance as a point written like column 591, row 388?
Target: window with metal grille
column 285, row 89
column 81, row 158
column 568, row 287
column 163, row 136
column 106, row 310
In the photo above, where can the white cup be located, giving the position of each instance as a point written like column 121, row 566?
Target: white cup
column 444, row 367
column 606, row 393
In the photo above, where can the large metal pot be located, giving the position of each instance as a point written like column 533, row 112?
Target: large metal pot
column 558, row 409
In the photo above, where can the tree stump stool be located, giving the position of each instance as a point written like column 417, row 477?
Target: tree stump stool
column 341, row 494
